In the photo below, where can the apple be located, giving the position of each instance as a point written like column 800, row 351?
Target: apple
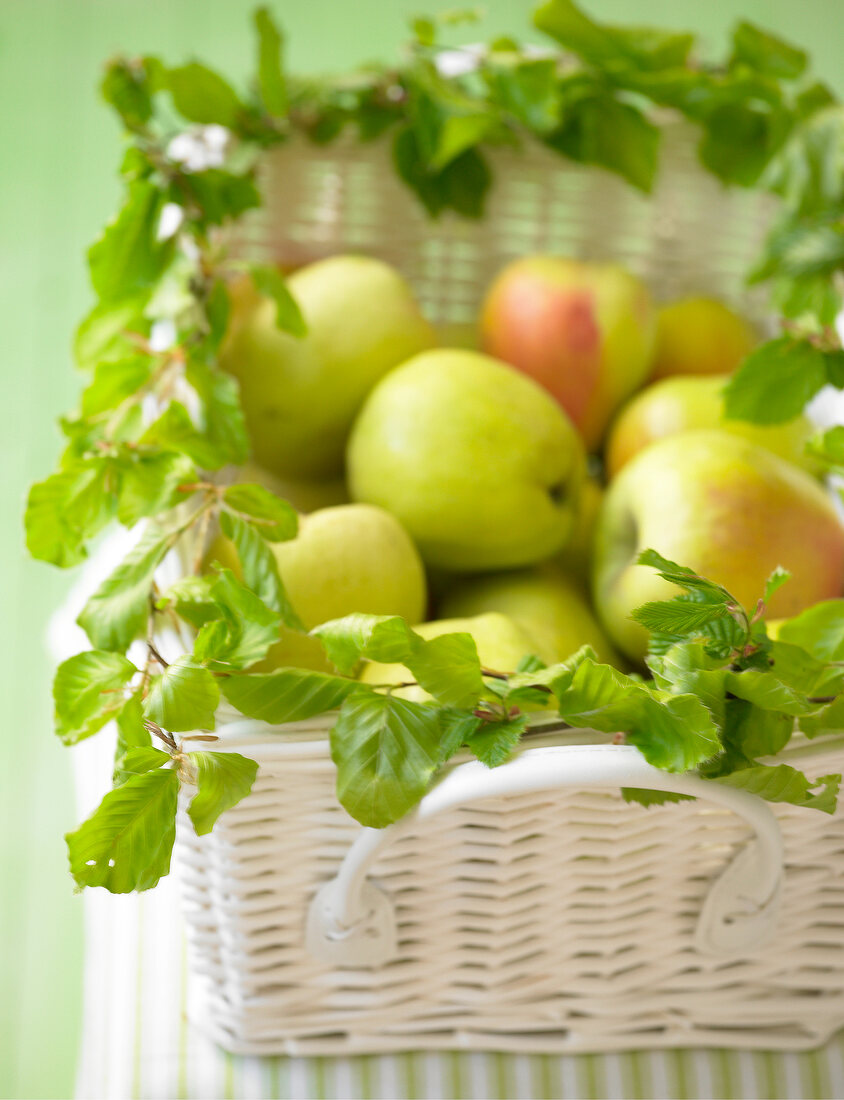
column 700, row 336
column 584, row 331
column 545, row 604
column 481, row 466
column 682, row 404
column 353, row 557
column 575, row 558
column 727, row 508
column 300, row 396
column 500, row 641
column 305, row 496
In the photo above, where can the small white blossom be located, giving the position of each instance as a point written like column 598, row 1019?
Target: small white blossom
column 171, row 219
column 200, row 148
column 162, row 334
column 459, row 62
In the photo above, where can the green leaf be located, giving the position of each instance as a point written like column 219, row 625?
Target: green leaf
column 751, row 731
column 117, row 612
column 174, row 430
column 271, row 83
column 457, row 135
column 763, row 689
column 287, row 694
column 249, row 630
column 201, row 95
column 131, row 734
column 183, row 698
column 555, row 678
column 276, row 520
column 127, row 258
column 140, row 759
column 259, row 568
column 101, row 335
column 222, row 779
column 678, row 616
column 766, row 53
column 385, row 638
column 114, row 381
column 126, row 843
column 461, row 186
column 740, row 139
column 782, row 783
column 687, row 669
column 819, row 630
column 775, row 382
column 683, row 576
column 599, row 129
column 448, row 668
column 527, row 89
column 493, row 742
column 222, row 196
column 386, row 750
column 456, row 729
column 673, row 732
column 151, row 484
column 804, row 673
column 125, row 87
column 611, row 47
column 828, row 719
column 653, row 798
column 288, row 316
column 87, row 692
column 66, row 510
column 222, row 422
column 775, row 582
column 190, row 598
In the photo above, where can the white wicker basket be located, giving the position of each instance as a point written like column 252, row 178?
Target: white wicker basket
column 529, row 907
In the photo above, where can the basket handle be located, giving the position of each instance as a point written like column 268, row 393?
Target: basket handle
column 351, row 921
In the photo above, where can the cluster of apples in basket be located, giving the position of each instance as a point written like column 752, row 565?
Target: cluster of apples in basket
column 506, row 485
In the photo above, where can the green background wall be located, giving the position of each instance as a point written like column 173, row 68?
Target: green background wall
column 58, row 150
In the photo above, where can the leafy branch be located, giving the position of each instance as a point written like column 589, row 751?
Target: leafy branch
column 158, row 419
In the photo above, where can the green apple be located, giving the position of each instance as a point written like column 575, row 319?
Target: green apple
column 300, row 396
column 545, row 604
column 481, row 466
column 730, row 510
column 350, row 558
column 683, row 404
column 305, row 496
column 700, row 336
column 501, row 644
column 575, row 558
column 584, row 331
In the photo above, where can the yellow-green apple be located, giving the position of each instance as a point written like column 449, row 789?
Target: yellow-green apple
column 481, row 466
column 575, row 558
column 305, row 496
column 501, row 644
column 353, row 557
column 730, row 510
column 700, row 336
column 584, row 331
column 300, row 396
column 549, row 607
column 683, row 404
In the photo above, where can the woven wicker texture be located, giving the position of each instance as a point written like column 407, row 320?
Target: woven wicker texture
column 692, row 235
column 558, row 922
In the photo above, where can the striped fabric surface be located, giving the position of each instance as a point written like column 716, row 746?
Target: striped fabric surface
column 137, row 1041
